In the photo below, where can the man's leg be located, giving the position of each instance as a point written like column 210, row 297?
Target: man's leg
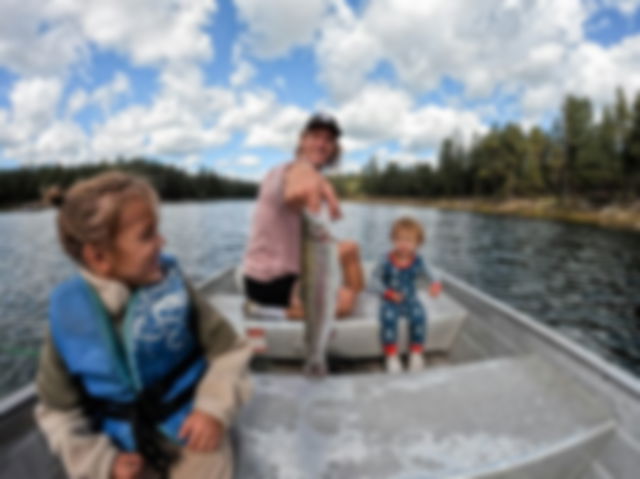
column 349, row 253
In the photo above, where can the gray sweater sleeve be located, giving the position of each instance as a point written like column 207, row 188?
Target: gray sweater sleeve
column 84, row 453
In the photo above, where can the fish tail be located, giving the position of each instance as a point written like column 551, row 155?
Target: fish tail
column 316, row 368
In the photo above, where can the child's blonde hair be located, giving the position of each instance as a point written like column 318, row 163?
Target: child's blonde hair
column 91, row 208
column 408, row 224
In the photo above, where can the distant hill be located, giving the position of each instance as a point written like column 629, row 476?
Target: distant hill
column 41, row 185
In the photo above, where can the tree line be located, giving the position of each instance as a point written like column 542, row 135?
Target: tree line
column 31, row 184
column 582, row 156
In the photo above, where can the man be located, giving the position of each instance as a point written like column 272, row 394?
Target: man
column 272, row 260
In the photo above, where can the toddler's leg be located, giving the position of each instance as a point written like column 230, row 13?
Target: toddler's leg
column 389, row 335
column 417, row 333
column 417, row 326
column 389, row 327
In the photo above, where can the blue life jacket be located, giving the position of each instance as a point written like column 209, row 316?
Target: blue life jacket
column 155, row 341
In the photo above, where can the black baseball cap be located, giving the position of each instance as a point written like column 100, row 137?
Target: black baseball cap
column 323, row 121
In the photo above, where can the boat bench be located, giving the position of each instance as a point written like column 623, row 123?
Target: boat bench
column 353, row 337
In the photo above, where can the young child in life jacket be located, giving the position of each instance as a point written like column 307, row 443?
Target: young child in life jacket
column 138, row 376
column 396, row 279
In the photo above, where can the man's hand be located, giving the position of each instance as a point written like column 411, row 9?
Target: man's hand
column 305, row 187
column 435, row 289
column 202, row 431
column 127, row 465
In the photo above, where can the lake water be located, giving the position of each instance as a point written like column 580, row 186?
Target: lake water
column 583, row 281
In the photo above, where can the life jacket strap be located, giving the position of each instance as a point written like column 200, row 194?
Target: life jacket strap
column 145, row 412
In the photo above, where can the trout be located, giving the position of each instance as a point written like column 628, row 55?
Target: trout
column 320, row 281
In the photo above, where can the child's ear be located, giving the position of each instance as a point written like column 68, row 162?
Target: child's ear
column 96, row 259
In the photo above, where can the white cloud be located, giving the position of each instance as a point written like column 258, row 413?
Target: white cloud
column 249, row 160
column 78, row 101
column 626, row 6
column 375, row 114
column 243, row 74
column 346, row 52
column 532, row 50
column 44, row 37
column 380, row 113
column 107, row 94
column 151, row 32
column 589, row 70
column 103, row 97
column 276, row 26
column 426, row 127
column 281, row 131
column 172, row 125
column 34, row 104
column 180, row 139
column 249, row 108
column 122, row 135
column 482, row 44
column 62, row 142
column 36, row 41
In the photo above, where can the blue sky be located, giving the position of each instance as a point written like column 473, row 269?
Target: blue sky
column 228, row 84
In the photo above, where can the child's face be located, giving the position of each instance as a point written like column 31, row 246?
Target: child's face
column 134, row 257
column 405, row 241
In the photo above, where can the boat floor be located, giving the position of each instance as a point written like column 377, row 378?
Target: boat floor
column 509, row 417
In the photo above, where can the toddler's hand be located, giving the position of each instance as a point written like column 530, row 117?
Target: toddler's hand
column 127, row 465
column 394, row 296
column 435, row 289
column 202, row 431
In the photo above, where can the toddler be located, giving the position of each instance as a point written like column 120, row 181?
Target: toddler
column 395, row 278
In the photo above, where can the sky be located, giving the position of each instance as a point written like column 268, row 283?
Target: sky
column 228, row 84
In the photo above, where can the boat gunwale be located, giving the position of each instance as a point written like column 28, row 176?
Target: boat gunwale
column 596, row 364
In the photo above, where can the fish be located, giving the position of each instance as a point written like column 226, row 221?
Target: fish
column 319, row 285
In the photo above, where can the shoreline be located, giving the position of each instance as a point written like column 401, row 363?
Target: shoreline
column 613, row 216
column 39, row 206
column 624, row 217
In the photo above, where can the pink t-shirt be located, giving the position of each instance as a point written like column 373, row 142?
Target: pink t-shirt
column 274, row 243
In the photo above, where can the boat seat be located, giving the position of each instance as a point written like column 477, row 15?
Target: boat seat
column 503, row 418
column 356, row 336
